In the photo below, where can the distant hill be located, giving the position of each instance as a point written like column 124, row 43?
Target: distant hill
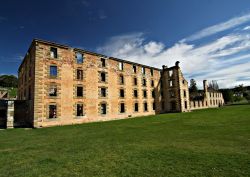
column 8, row 81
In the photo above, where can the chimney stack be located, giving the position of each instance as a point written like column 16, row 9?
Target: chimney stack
column 177, row 63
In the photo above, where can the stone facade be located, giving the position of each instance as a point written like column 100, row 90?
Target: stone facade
column 68, row 85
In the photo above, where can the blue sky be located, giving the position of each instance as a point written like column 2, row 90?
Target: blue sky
column 210, row 38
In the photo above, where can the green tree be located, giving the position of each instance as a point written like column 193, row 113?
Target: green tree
column 193, row 87
column 8, row 81
column 228, row 95
column 247, row 96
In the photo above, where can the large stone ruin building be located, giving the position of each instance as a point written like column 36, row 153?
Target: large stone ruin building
column 66, row 85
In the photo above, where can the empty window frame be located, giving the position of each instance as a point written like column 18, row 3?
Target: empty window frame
column 185, row 103
column 103, row 76
column 122, row 93
column 152, row 83
column 103, row 108
column 143, row 70
column 153, row 94
column 79, row 58
column 136, row 107
column 184, row 93
column 103, row 61
column 53, row 52
column 170, row 73
column 52, row 111
column 145, row 106
column 53, row 71
column 171, row 83
column 103, row 92
column 79, row 91
column 144, row 82
column 135, row 93
column 79, row 109
column 53, row 90
column 135, row 81
column 121, row 79
column 144, row 93
column 122, row 107
column 152, row 72
column 79, row 74
column 121, row 66
column 134, row 68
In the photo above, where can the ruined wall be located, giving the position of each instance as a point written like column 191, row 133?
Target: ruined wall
column 158, row 91
column 66, row 84
column 175, row 90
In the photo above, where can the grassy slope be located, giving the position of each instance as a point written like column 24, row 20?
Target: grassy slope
column 214, row 142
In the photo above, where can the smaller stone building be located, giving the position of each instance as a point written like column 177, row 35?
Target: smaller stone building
column 208, row 99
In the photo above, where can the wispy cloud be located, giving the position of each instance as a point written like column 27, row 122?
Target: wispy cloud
column 17, row 58
column 225, row 59
column 236, row 21
column 246, row 28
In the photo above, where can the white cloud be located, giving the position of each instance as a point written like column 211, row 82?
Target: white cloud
column 236, row 21
column 154, row 48
column 246, row 28
column 225, row 59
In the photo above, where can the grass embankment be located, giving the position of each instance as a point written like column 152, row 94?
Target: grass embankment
column 212, row 142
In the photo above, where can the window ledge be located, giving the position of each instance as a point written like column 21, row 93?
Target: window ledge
column 80, row 117
column 52, row 119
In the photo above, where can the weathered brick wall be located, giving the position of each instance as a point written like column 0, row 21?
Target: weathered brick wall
column 174, row 86
column 66, row 83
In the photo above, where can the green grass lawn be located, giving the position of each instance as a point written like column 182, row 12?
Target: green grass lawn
column 213, row 142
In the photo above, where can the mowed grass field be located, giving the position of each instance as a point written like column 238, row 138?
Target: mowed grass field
column 213, row 142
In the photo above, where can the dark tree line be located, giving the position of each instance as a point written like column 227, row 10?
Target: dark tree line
column 8, row 81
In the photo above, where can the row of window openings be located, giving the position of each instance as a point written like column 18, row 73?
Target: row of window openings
column 134, row 68
column 80, row 59
column 103, row 109
column 215, row 94
column 53, row 111
column 53, row 91
column 123, row 110
column 121, row 80
column 54, row 54
column 79, row 75
column 103, row 92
